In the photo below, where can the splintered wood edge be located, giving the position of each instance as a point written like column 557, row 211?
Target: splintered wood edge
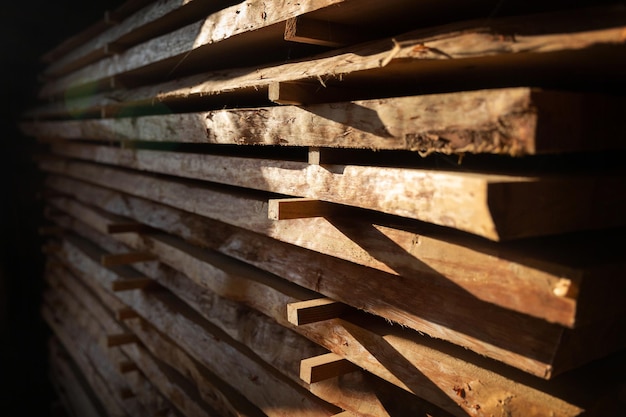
column 312, row 311
column 115, row 259
column 298, row 208
column 320, row 368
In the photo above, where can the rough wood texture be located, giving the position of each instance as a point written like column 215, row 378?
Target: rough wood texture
column 454, row 122
column 272, row 392
column 512, row 276
column 488, row 53
column 237, row 320
column 498, row 207
column 153, row 20
column 341, row 281
column 435, row 369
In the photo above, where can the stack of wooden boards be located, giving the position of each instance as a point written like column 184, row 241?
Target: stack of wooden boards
column 337, row 207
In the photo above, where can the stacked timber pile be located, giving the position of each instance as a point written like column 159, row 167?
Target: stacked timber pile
column 338, row 207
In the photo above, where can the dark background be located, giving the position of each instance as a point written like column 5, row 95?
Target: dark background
column 28, row 29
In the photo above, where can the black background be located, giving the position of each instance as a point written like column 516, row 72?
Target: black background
column 28, row 29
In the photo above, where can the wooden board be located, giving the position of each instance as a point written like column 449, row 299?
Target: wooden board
column 513, row 276
column 149, row 22
column 518, row 50
column 498, row 207
column 536, row 122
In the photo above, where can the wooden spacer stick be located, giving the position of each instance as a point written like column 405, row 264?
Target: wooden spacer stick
column 299, row 208
column 126, row 366
column 126, row 314
column 119, row 339
column 114, row 259
column 127, row 227
column 319, row 32
column 320, row 368
column 128, row 284
column 311, row 311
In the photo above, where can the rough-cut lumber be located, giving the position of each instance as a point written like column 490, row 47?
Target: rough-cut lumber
column 151, row 21
column 492, row 53
column 211, row 389
column 498, row 207
column 540, row 278
column 284, row 357
column 311, row 311
column 95, row 317
column 75, row 392
column 322, row 367
column 432, row 370
column 126, row 9
column 536, row 122
column 344, row 284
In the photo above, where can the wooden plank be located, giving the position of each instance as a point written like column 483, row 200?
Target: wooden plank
column 522, row 47
column 116, row 259
column 75, row 41
column 322, row 367
column 299, row 208
column 284, row 357
column 455, row 122
column 312, row 311
column 149, row 22
column 498, row 207
column 214, row 349
column 324, row 33
column 510, row 275
column 210, row 394
column 343, row 283
column 434, row 367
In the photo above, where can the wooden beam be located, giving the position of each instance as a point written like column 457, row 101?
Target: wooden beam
column 312, row 311
column 324, row 33
column 115, row 259
column 299, row 208
column 323, row 367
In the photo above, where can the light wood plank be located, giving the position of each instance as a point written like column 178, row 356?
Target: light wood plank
column 320, row 368
column 149, row 22
column 454, row 122
column 498, row 207
column 312, row 311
